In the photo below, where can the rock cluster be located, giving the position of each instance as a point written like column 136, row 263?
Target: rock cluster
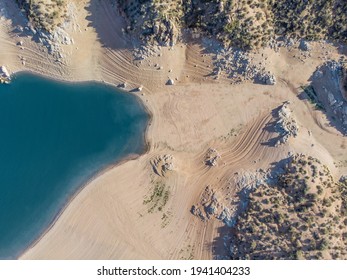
column 4, row 72
column 212, row 156
column 235, row 64
column 211, row 207
column 151, row 21
column 163, row 164
column 5, row 76
column 238, row 66
column 165, row 33
column 286, row 125
column 122, row 85
column 250, row 181
column 249, row 24
column 145, row 51
column 53, row 40
column 226, row 207
column 267, row 78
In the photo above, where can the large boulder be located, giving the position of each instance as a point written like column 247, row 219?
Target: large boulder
column 4, row 72
column 170, row 82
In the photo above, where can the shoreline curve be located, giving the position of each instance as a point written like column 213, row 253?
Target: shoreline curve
column 97, row 174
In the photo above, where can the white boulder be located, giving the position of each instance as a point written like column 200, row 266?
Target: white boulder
column 170, row 82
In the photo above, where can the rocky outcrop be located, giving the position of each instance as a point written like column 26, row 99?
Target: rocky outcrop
column 210, row 207
column 241, row 24
column 237, row 65
column 163, row 164
column 328, row 83
column 212, row 156
column 225, row 207
column 53, row 40
column 5, row 76
column 4, row 72
column 151, row 21
column 267, row 78
column 47, row 22
column 286, row 125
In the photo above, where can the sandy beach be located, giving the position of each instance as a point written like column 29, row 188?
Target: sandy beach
column 109, row 218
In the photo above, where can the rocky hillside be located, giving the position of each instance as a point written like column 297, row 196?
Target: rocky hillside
column 246, row 23
column 327, row 91
column 303, row 216
column 44, row 14
column 153, row 21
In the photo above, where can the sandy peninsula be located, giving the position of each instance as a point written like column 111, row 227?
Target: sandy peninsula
column 116, row 216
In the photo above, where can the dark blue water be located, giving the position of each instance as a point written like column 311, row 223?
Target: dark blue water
column 54, row 137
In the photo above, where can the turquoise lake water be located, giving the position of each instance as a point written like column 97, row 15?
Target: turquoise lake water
column 55, row 136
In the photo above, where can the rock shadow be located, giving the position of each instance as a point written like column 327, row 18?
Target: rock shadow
column 340, row 47
column 219, row 246
column 20, row 25
column 271, row 128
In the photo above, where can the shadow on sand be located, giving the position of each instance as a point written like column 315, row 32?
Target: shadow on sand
column 221, row 244
column 271, row 128
column 109, row 25
column 20, row 26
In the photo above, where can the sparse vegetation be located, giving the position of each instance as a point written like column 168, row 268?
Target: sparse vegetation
column 166, row 218
column 294, row 219
column 245, row 24
column 44, row 14
column 158, row 198
column 312, row 95
column 187, row 253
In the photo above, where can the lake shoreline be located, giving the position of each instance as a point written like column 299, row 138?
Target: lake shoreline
column 141, row 142
column 72, row 197
column 98, row 174
column 198, row 112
